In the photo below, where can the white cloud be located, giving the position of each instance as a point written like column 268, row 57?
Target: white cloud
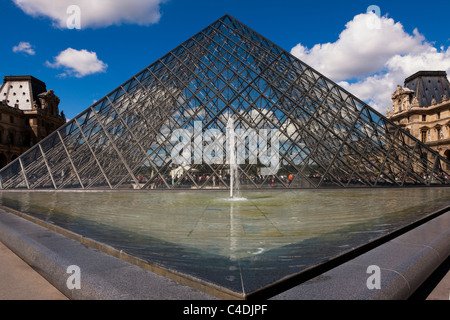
column 95, row 13
column 78, row 63
column 370, row 62
column 25, row 47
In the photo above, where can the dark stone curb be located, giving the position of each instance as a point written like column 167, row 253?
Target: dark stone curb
column 103, row 277
column 404, row 264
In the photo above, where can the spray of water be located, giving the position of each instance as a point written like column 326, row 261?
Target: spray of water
column 234, row 171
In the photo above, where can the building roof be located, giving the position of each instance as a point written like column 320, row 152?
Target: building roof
column 25, row 78
column 429, row 86
column 21, row 91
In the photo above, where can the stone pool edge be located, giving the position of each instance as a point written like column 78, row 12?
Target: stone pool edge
column 402, row 265
column 405, row 263
column 106, row 273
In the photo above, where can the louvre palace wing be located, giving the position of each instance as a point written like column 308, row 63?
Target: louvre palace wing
column 166, row 128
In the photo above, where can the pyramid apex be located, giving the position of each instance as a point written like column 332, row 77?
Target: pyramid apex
column 318, row 132
column 227, row 16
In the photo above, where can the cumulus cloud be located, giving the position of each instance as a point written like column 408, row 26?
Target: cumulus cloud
column 95, row 13
column 78, row 63
column 372, row 56
column 24, row 47
column 377, row 89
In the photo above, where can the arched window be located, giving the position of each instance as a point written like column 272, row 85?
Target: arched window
column 3, row 160
column 423, row 136
column 439, row 133
column 11, row 137
column 447, row 156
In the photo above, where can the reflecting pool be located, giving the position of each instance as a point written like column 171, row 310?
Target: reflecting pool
column 241, row 245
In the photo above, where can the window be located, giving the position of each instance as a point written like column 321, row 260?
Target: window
column 424, row 118
column 424, row 136
column 439, row 133
column 439, row 115
column 27, row 140
column 10, row 139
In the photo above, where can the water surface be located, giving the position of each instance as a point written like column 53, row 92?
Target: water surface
column 241, row 245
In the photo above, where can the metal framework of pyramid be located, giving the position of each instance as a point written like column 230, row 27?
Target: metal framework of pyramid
column 166, row 127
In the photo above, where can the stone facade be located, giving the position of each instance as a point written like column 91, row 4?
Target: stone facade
column 28, row 113
column 422, row 108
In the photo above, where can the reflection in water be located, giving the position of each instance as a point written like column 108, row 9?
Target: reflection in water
column 236, row 244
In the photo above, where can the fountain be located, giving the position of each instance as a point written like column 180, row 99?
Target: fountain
column 80, row 178
column 240, row 246
column 234, row 173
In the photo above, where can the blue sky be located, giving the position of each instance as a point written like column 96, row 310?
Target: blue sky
column 328, row 35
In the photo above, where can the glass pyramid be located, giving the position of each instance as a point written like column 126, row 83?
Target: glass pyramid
column 166, row 128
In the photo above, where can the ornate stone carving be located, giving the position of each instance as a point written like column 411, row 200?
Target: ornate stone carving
column 401, row 99
column 50, row 102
